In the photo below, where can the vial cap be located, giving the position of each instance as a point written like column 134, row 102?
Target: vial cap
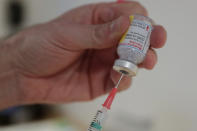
column 125, row 67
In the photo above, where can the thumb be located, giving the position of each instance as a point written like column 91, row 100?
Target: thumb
column 101, row 36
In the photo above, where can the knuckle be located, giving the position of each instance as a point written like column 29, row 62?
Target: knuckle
column 102, row 13
column 100, row 34
column 96, row 36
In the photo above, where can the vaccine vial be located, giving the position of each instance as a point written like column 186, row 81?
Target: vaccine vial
column 134, row 45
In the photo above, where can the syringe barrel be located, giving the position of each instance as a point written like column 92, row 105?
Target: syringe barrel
column 99, row 120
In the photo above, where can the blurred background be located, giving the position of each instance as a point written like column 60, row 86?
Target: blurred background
column 164, row 99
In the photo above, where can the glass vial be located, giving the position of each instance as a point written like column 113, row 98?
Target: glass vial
column 134, row 45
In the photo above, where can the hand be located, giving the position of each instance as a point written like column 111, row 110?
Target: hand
column 71, row 58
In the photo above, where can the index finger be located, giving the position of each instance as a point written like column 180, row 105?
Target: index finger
column 129, row 8
column 106, row 12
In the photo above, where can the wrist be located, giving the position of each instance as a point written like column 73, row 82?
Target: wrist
column 10, row 94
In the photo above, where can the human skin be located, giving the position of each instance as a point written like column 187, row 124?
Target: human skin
column 71, row 57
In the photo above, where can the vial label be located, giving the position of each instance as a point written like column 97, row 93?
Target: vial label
column 138, row 35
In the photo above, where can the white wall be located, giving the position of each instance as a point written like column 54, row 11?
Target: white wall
column 166, row 96
column 2, row 15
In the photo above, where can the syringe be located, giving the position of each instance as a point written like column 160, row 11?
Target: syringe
column 101, row 115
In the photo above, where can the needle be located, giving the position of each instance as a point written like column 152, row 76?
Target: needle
column 110, row 98
column 122, row 75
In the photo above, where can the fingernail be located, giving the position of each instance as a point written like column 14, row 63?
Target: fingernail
column 119, row 26
column 115, row 25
